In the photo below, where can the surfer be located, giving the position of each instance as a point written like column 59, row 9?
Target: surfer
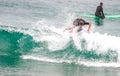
column 99, row 11
column 79, row 23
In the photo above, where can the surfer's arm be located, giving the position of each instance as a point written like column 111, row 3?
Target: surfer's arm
column 89, row 27
column 102, row 13
column 70, row 29
column 67, row 29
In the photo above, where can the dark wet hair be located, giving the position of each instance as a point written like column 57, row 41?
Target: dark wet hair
column 77, row 22
column 101, row 3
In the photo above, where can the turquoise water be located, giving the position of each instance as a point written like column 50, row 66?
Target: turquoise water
column 32, row 41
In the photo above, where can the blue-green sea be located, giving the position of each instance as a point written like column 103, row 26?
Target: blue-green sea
column 33, row 41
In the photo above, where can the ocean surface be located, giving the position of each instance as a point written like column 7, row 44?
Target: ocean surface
column 33, row 41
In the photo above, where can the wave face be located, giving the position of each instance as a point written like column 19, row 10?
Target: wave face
column 48, row 43
column 14, row 44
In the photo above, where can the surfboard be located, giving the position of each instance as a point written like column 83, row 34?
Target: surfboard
column 106, row 16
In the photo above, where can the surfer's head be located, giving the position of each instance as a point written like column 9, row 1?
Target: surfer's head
column 78, row 22
column 101, row 3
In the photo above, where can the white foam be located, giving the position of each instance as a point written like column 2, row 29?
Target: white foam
column 57, row 39
column 102, row 42
column 85, row 63
column 100, row 64
column 45, row 59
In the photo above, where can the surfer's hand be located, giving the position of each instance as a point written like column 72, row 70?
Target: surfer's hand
column 103, row 17
column 88, row 31
column 71, row 30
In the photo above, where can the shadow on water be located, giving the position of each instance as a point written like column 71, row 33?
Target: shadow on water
column 10, row 61
column 98, row 21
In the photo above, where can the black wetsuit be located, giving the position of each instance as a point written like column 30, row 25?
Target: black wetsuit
column 77, row 22
column 99, row 12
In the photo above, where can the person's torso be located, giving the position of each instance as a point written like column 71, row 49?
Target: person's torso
column 98, row 10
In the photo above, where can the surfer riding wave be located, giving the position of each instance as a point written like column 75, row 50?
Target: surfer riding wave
column 79, row 23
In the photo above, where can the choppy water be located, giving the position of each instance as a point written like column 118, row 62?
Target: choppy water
column 32, row 41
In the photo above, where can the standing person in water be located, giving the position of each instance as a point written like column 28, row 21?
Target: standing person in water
column 99, row 11
column 79, row 23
